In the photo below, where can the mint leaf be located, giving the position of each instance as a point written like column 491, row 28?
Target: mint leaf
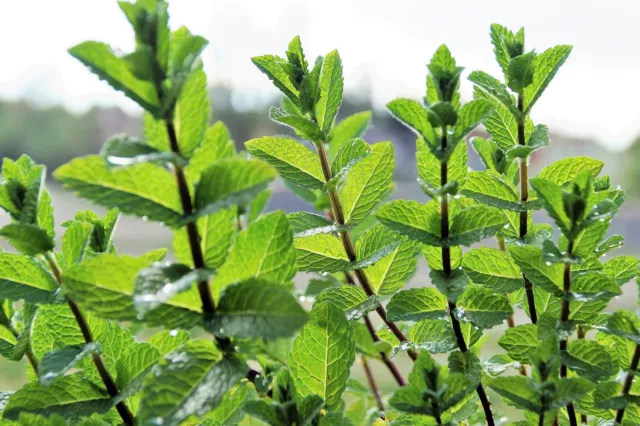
column 273, row 67
column 475, row 223
column 305, row 224
column 303, row 127
column 71, row 396
column 429, row 167
column 27, row 239
column 494, row 90
column 545, row 66
column 230, row 410
column 470, row 116
column 103, row 62
column 590, row 360
column 144, row 190
column 520, row 341
column 434, row 257
column 321, row 253
column 622, row 268
column 216, row 145
column 420, row 222
column 417, row 304
column 105, row 285
column 565, row 170
column 412, row 114
column 216, row 235
column 390, row 260
column 230, row 182
column 192, row 113
column 518, row 391
column 546, row 276
column 168, row 340
column 23, row 278
column 256, row 308
column 482, row 307
column 56, row 363
column 353, row 126
column 490, row 187
column 493, row 268
column 293, row 161
column 350, row 299
column 161, row 282
column 192, row 380
column 436, row 335
column 349, row 154
column 329, row 95
column 539, row 138
column 263, row 250
column 367, row 182
column 322, row 354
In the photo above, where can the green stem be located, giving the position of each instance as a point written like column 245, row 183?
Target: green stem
column 564, row 318
column 109, row 383
column 350, row 249
column 628, row 381
column 524, row 196
column 446, row 269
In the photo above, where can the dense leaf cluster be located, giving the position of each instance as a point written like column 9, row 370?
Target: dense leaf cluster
column 228, row 336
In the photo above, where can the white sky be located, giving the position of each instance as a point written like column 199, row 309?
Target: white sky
column 383, row 43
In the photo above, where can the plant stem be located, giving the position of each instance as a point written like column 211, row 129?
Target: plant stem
column 350, row 249
column 628, row 381
column 524, row 196
column 446, row 269
column 110, row 385
column 208, row 305
column 564, row 317
column 581, row 335
column 541, row 419
column 373, row 385
column 372, row 331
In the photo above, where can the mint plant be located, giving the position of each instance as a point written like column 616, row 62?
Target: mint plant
column 222, row 336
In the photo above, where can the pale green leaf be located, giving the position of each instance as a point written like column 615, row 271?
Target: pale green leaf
column 329, row 95
column 23, row 278
column 531, row 262
column 417, row 304
column 545, row 67
column 482, row 307
column 216, row 145
column 491, row 188
column 420, row 222
column 493, row 268
column 321, row 253
column 350, row 299
column 474, row 224
column 520, row 341
column 57, row 363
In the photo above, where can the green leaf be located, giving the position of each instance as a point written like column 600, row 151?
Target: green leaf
column 518, row 391
column 436, row 336
column 76, row 242
column 420, row 222
column 353, row 126
column 57, row 363
column 256, row 308
column 216, row 233
column 105, row 285
column 329, row 95
column 482, row 307
column 293, row 161
column 350, row 299
column 367, row 182
column 520, row 71
column 258, row 205
column 273, row 67
column 390, row 260
column 22, row 278
column 349, row 154
column 471, row 115
column 417, row 304
column 216, row 145
column 451, row 285
column 305, row 224
column 613, row 242
column 263, row 250
column 303, row 127
column 192, row 113
column 28, row 239
column 494, row 90
column 491, row 188
column 539, row 139
column 590, row 360
column 498, row 364
column 520, row 341
column 565, row 170
column 231, row 182
column 229, row 411
column 622, row 268
column 493, row 268
column 161, row 282
column 321, row 253
column 594, row 286
column 184, row 50
column 474, row 223
column 545, row 66
column 499, row 34
column 322, row 354
column 531, row 261
column 103, row 62
column 413, row 115
column 192, row 380
column 434, row 257
column 167, row 341
column 144, row 190
column 71, row 396
column 552, row 198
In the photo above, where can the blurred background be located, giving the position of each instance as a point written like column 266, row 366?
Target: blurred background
column 53, row 109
